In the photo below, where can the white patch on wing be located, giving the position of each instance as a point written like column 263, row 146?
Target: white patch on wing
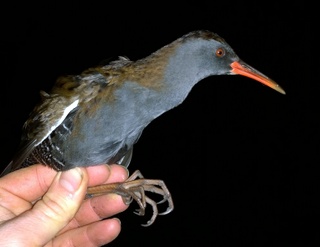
column 66, row 111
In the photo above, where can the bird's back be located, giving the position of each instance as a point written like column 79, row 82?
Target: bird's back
column 112, row 108
column 97, row 116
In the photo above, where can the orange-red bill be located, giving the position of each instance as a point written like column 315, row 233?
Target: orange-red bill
column 241, row 68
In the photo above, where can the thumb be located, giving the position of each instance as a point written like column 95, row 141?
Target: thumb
column 55, row 210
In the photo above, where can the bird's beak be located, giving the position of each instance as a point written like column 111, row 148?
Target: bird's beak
column 241, row 68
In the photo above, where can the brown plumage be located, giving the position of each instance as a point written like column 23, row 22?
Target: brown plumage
column 96, row 117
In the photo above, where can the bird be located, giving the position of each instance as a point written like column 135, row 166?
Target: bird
column 98, row 115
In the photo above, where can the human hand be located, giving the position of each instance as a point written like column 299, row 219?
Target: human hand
column 40, row 207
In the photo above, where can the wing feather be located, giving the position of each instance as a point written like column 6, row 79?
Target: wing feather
column 44, row 119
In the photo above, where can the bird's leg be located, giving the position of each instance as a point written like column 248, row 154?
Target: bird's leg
column 134, row 188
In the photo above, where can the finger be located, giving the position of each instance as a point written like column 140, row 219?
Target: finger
column 28, row 183
column 53, row 212
column 32, row 182
column 106, row 174
column 20, row 188
column 97, row 208
column 92, row 235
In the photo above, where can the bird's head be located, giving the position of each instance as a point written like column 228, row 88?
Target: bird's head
column 203, row 53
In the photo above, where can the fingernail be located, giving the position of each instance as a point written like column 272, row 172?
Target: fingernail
column 128, row 173
column 118, row 220
column 71, row 179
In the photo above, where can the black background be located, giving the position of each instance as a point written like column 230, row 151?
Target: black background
column 240, row 159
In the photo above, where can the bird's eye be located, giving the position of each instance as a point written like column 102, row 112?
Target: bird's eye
column 220, row 52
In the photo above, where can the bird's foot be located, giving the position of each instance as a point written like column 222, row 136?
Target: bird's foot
column 134, row 188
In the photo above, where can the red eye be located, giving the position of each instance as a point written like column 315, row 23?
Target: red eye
column 220, row 52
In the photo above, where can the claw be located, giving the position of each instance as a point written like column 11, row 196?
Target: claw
column 148, row 223
column 166, row 212
column 135, row 188
column 155, row 212
column 139, row 212
column 163, row 200
column 127, row 200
